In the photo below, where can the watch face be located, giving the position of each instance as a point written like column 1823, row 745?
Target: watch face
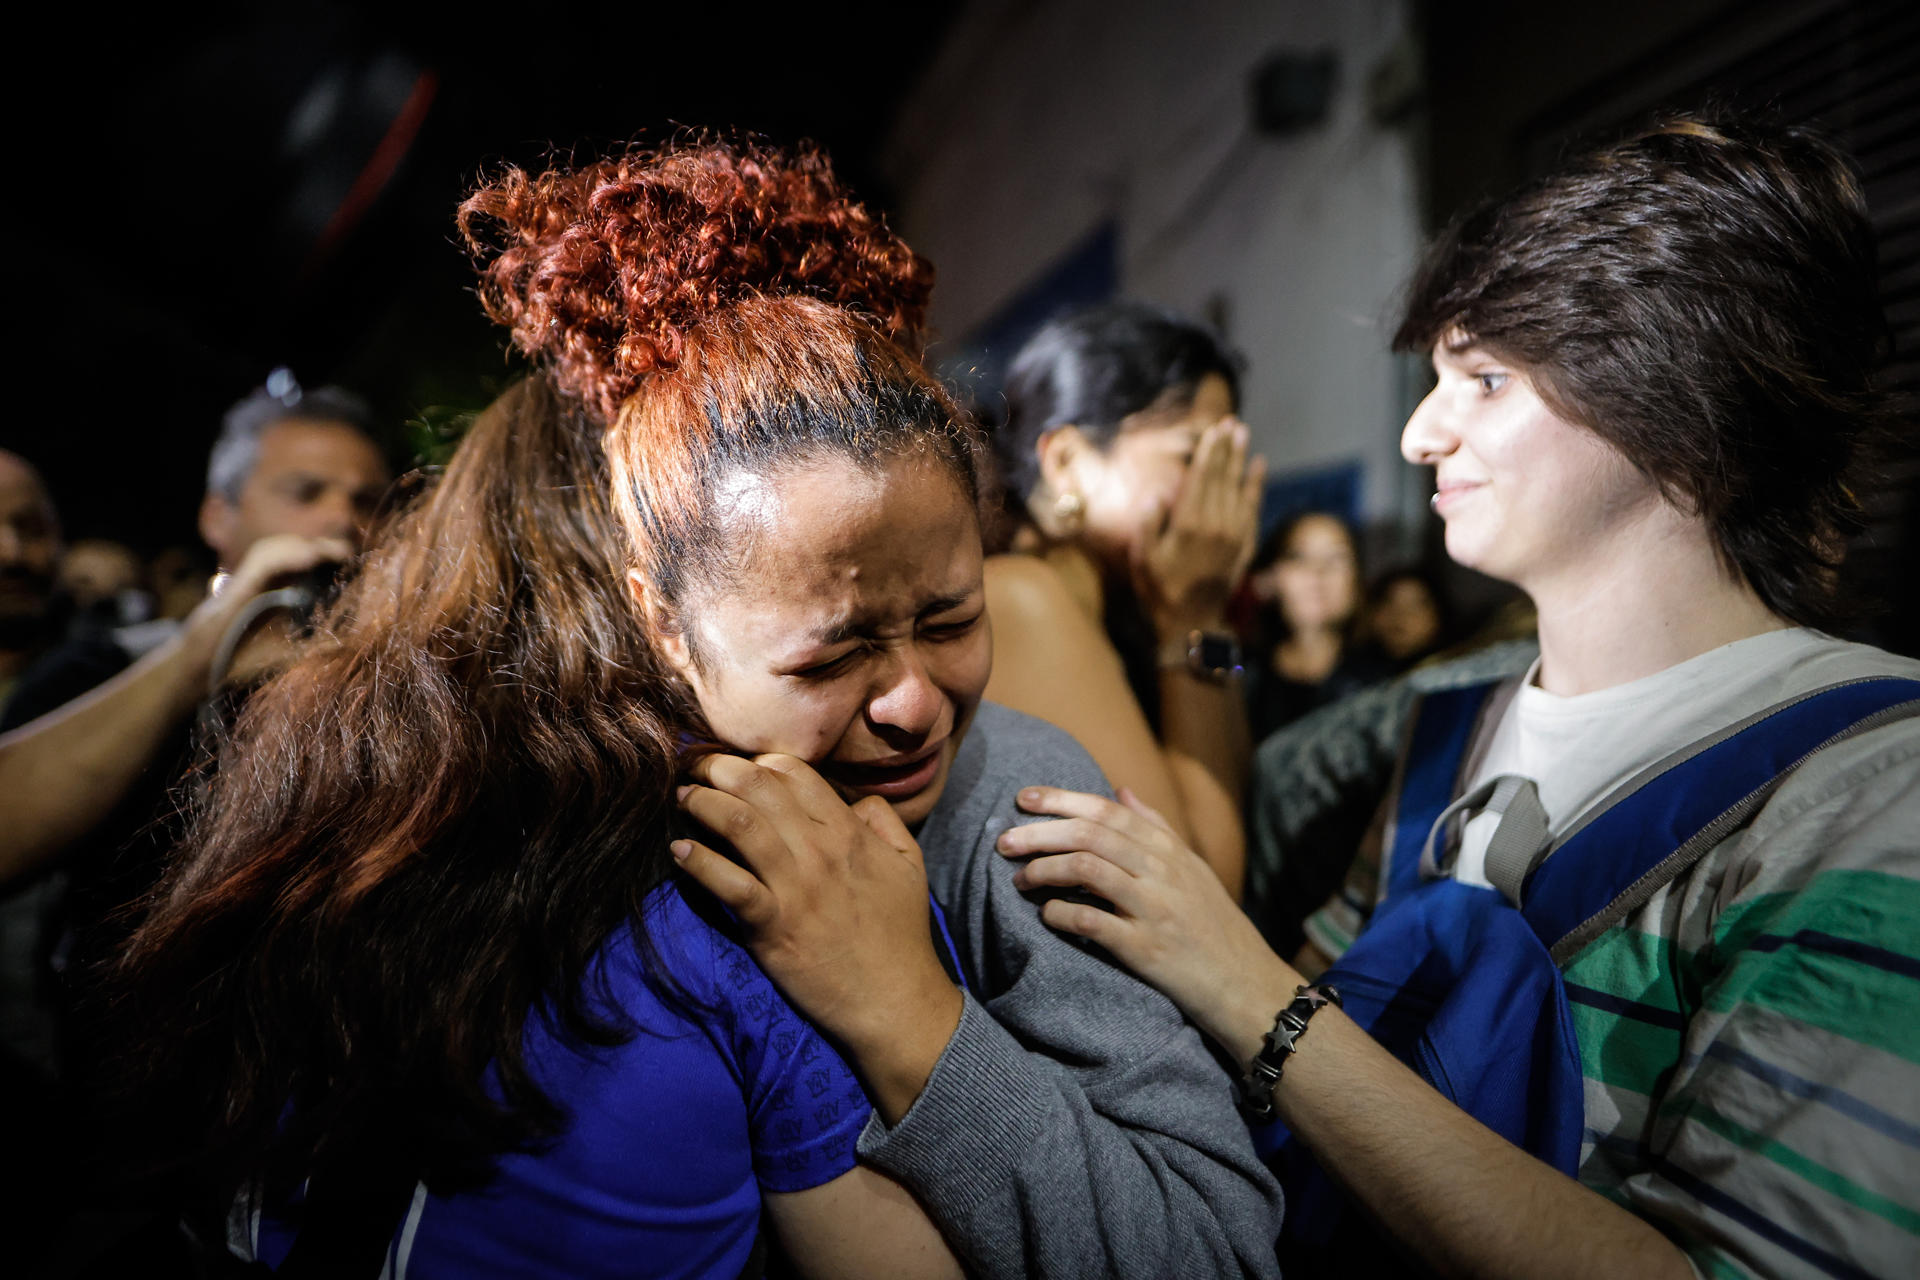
column 1217, row 652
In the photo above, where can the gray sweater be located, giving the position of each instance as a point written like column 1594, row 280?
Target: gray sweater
column 1076, row 1125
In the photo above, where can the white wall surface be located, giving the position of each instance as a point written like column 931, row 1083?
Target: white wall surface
column 1039, row 121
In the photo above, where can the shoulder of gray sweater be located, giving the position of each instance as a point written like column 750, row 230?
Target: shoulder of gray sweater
column 1004, row 751
column 1018, row 750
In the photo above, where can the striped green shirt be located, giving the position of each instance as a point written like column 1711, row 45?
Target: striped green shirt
column 1751, row 1035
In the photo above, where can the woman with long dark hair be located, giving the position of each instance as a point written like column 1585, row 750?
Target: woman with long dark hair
column 722, row 556
column 1306, row 580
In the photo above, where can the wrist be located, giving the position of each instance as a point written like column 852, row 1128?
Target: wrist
column 1290, row 1026
column 193, row 647
column 1173, row 625
column 896, row 1054
column 1240, row 1019
column 204, row 628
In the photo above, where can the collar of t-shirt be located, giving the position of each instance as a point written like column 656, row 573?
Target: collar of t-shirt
column 1578, row 749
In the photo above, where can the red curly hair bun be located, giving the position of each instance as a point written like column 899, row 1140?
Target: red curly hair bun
column 602, row 271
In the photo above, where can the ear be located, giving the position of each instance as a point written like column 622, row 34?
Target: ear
column 1063, row 451
column 672, row 643
column 217, row 520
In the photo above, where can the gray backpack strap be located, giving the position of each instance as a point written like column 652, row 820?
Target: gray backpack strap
column 1519, row 841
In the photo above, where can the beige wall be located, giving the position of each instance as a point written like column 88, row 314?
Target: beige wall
column 1039, row 121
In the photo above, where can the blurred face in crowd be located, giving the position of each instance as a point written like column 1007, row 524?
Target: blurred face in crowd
column 314, row 478
column 95, row 569
column 1317, row 577
column 1527, row 496
column 1406, row 619
column 177, row 576
column 853, row 633
column 29, row 547
column 1129, row 486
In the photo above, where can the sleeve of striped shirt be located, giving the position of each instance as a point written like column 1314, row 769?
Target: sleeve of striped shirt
column 1786, row 1140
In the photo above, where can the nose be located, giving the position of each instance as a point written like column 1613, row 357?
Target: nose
column 335, row 516
column 1428, row 435
column 905, row 699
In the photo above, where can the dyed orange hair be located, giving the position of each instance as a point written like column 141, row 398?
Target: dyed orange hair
column 602, row 272
column 724, row 307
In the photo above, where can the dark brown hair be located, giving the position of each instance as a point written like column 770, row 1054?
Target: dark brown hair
column 1096, row 367
column 1702, row 297
column 420, row 830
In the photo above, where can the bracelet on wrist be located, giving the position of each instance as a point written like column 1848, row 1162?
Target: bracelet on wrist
column 1289, row 1025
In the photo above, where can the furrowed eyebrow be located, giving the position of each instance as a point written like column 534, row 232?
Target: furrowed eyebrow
column 838, row 633
column 947, row 602
column 850, row 629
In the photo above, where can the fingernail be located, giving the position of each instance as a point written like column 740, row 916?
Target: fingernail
column 682, row 794
column 680, row 849
column 1030, row 796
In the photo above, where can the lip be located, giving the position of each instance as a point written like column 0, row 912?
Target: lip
column 893, row 779
column 1448, row 493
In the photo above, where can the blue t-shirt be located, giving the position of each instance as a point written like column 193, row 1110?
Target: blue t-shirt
column 674, row 1135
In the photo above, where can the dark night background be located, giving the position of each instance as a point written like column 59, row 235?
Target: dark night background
column 214, row 194
column 198, row 197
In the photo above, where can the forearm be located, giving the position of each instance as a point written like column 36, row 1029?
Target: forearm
column 861, row 1224
column 1034, row 1168
column 61, row 773
column 1460, row 1197
column 1203, row 732
column 896, row 1049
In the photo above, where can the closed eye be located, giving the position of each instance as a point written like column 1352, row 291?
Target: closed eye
column 952, row 629
column 831, row 667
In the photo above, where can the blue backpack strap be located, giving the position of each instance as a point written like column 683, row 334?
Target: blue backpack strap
column 1662, row 820
column 1436, row 752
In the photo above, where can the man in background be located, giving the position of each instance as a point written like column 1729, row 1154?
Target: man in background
column 93, row 740
column 291, row 483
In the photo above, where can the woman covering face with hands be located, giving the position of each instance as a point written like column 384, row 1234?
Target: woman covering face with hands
column 1138, row 498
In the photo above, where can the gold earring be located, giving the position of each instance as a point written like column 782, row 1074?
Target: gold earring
column 1070, row 512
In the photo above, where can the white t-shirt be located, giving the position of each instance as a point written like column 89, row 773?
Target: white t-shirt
column 1578, row 749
